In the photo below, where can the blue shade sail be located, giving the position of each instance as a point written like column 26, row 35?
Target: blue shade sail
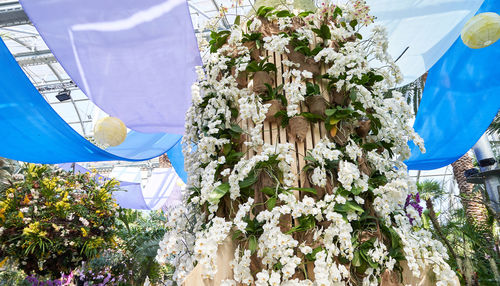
column 176, row 158
column 31, row 131
column 135, row 59
column 421, row 31
column 460, row 100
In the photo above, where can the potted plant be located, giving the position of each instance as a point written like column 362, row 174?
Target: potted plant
column 316, row 103
column 275, row 97
column 262, row 75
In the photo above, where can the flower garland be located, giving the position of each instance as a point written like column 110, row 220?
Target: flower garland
column 347, row 222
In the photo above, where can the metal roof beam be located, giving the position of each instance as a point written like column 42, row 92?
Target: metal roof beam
column 48, row 87
column 12, row 14
column 35, row 58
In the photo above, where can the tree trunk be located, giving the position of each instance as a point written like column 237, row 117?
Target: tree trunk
column 472, row 201
column 437, row 227
column 164, row 161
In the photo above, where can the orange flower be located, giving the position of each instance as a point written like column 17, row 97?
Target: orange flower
column 26, row 200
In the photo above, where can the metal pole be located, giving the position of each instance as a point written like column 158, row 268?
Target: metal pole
column 486, row 159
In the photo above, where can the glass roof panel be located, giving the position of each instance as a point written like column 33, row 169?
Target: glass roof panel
column 49, row 77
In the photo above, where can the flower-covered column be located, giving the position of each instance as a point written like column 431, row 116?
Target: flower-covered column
column 294, row 149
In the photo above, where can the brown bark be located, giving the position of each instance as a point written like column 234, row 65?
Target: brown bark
column 316, row 104
column 298, row 127
column 260, row 79
column 275, row 107
column 475, row 210
column 164, row 162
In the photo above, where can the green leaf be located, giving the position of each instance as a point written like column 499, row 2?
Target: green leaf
column 252, row 243
column 370, row 146
column 337, row 12
column 263, row 11
column 353, row 94
column 349, row 206
column 253, row 66
column 218, row 193
column 236, row 234
column 352, row 205
column 307, row 190
column 248, row 181
column 325, row 32
column 378, row 77
column 234, row 156
column 309, row 158
column 271, row 203
column 226, row 148
column 284, row 117
column 425, row 220
column 268, row 191
column 311, row 117
column 330, row 112
column 304, row 14
column 269, row 67
column 367, row 258
column 356, row 260
column 284, row 13
column 356, row 190
column 312, row 256
column 236, row 128
column 353, row 23
column 237, row 20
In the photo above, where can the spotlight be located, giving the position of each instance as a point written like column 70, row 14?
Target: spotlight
column 64, row 95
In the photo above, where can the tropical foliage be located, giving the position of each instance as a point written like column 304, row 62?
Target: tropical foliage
column 473, row 253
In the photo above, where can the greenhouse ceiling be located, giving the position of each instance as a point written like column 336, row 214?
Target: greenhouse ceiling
column 48, row 76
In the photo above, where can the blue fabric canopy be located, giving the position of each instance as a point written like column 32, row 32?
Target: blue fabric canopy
column 32, row 131
column 176, row 158
column 132, row 58
column 461, row 98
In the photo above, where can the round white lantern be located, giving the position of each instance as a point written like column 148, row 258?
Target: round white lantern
column 110, row 131
column 481, row 30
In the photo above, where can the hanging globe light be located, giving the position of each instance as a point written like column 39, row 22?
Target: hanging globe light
column 110, row 131
column 481, row 30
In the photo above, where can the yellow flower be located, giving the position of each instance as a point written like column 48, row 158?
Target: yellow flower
column 2, row 212
column 32, row 228
column 61, row 205
column 84, row 232
column 56, row 227
column 20, row 215
column 26, row 200
column 3, row 262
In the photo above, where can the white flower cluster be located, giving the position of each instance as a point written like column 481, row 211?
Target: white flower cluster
column 324, row 150
column 422, row 252
column 243, row 168
column 295, row 90
column 177, row 246
column 206, row 245
column 276, row 44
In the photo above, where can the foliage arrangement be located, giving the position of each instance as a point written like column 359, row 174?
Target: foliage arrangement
column 473, row 252
column 349, row 221
column 132, row 260
column 51, row 220
column 11, row 275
